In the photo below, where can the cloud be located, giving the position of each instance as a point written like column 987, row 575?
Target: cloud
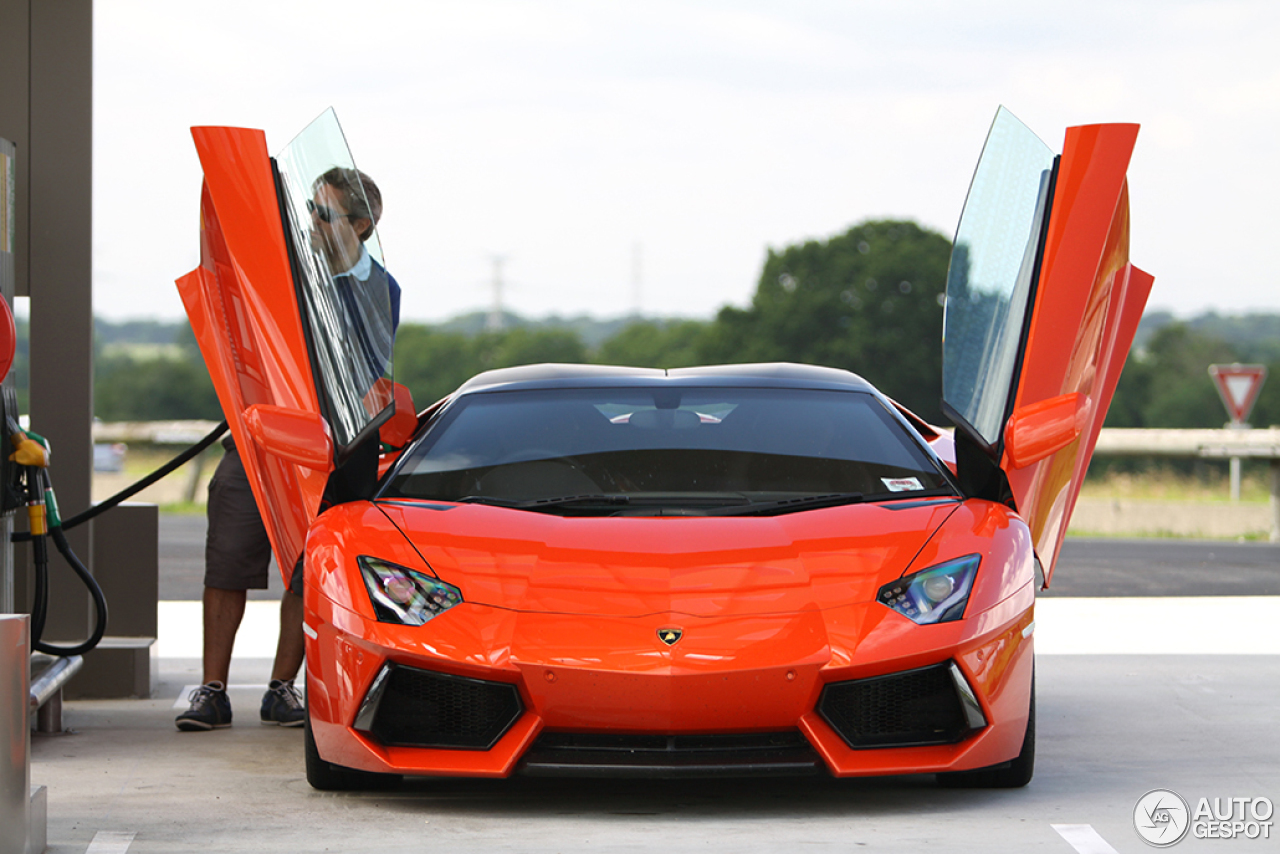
column 561, row 134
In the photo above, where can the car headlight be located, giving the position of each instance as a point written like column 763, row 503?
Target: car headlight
column 400, row 595
column 934, row 595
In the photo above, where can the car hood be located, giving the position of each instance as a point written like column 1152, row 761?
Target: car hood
column 699, row 566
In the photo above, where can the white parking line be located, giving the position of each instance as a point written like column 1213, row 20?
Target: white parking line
column 110, row 842
column 180, row 634
column 1084, row 838
column 1158, row 625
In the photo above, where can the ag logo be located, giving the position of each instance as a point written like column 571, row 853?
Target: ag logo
column 669, row 636
column 1161, row 818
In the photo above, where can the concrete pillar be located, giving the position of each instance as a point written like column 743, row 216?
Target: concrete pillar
column 15, row 733
column 46, row 109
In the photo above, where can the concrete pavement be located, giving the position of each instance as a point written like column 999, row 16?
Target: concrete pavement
column 1111, row 729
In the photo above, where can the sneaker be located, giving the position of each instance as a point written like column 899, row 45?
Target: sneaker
column 282, row 704
column 210, row 709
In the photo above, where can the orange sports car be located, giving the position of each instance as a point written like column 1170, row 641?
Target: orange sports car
column 743, row 569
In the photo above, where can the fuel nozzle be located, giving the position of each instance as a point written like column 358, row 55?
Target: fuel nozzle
column 29, row 449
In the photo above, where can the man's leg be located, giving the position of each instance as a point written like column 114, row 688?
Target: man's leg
column 289, row 647
column 210, row 707
column 282, row 704
column 236, row 557
column 223, row 611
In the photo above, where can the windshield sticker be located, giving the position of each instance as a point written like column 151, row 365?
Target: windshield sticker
column 901, row 484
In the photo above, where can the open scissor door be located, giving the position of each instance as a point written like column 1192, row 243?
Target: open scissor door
column 289, row 355
column 1042, row 307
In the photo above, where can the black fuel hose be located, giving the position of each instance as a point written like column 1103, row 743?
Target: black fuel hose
column 99, row 601
column 38, row 484
column 40, row 602
column 134, row 488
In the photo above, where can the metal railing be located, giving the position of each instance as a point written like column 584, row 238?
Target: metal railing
column 1229, row 444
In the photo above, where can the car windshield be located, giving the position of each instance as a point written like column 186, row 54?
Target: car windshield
column 667, row 451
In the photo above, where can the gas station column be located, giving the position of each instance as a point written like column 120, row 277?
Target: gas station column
column 46, row 109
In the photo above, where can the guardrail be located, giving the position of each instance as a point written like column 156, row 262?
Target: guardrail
column 153, row 432
column 1118, row 441
column 1229, row 444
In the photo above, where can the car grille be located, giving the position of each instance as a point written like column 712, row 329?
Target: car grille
column 901, row 709
column 419, row 708
column 562, row 754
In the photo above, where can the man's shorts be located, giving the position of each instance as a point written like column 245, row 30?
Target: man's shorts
column 237, row 553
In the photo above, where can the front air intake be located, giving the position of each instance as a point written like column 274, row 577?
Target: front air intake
column 408, row 707
column 932, row 705
column 771, row 754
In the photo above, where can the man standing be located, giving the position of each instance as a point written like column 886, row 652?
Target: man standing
column 345, row 207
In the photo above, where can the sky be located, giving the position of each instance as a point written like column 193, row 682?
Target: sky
column 645, row 156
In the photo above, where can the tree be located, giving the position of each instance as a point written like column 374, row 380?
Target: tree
column 647, row 344
column 161, row 389
column 1168, row 383
column 432, row 363
column 868, row 300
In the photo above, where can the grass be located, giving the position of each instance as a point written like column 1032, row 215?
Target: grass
column 1085, row 534
column 1211, row 487
column 141, row 460
column 182, row 508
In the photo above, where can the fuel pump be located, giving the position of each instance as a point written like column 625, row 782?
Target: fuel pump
column 31, row 455
column 31, row 460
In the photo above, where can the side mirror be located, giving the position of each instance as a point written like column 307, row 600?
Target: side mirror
column 400, row 427
column 1040, row 429
column 292, row 435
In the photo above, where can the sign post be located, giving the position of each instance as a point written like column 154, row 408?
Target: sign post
column 1238, row 386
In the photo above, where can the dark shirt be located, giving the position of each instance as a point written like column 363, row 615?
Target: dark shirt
column 373, row 312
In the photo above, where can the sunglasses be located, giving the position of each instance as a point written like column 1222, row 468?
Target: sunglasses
column 327, row 214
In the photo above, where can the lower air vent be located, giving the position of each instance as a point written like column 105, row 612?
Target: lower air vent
column 932, row 705
column 564, row 754
column 407, row 707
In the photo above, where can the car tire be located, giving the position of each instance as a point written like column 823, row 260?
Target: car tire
column 328, row 777
column 1013, row 774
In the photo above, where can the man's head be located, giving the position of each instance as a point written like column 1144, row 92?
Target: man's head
column 345, row 206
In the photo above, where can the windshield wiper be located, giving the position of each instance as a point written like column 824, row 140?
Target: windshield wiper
column 540, row 503
column 788, row 505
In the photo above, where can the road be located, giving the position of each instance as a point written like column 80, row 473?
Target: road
column 1111, row 728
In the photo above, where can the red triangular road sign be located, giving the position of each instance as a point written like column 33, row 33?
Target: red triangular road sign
column 1238, row 385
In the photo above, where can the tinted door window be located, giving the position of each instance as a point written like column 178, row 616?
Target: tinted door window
column 349, row 318
column 992, row 276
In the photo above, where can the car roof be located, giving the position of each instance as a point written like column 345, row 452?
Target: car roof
column 768, row 375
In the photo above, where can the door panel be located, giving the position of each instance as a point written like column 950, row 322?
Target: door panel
column 243, row 312
column 1084, row 319
column 1042, row 306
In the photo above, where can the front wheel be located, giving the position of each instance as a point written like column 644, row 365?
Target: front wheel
column 1007, row 775
column 328, row 777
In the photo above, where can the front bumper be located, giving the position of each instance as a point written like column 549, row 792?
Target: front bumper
column 588, row 696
